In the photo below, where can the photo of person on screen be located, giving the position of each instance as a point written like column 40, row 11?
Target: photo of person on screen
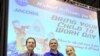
column 70, row 51
column 20, row 34
column 30, row 45
column 44, row 44
column 53, row 44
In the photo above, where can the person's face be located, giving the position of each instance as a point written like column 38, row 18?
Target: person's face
column 70, row 51
column 53, row 45
column 31, row 44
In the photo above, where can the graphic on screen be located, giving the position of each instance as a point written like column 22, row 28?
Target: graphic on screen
column 43, row 19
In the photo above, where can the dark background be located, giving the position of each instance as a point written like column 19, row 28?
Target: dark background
column 3, row 20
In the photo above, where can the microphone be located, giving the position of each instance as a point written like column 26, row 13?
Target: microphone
column 30, row 54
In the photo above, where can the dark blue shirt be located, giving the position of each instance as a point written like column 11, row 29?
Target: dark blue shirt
column 50, row 53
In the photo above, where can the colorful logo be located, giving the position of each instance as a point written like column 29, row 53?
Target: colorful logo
column 22, row 2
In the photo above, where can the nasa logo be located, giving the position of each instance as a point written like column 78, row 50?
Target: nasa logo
column 22, row 2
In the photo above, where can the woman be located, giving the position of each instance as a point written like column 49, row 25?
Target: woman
column 70, row 51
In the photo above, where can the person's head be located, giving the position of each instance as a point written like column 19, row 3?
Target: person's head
column 53, row 43
column 30, row 43
column 70, row 51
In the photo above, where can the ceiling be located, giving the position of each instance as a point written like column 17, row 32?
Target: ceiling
column 94, row 3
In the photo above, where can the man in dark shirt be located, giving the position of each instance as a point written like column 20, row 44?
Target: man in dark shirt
column 53, row 49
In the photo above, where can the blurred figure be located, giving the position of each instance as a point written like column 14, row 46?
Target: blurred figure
column 70, row 51
column 53, row 44
column 30, row 45
column 20, row 32
column 44, row 44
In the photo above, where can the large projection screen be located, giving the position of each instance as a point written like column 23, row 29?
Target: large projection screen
column 47, row 19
